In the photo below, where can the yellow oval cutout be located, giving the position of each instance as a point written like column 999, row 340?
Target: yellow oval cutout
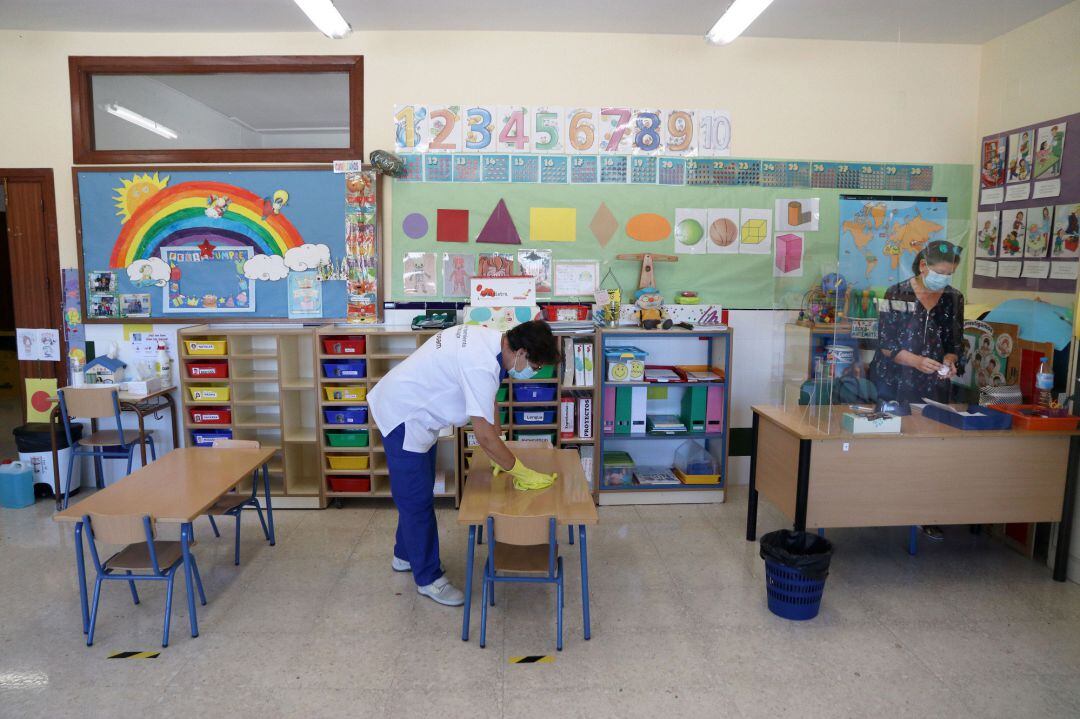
column 648, row 227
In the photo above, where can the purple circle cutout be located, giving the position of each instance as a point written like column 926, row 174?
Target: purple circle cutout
column 415, row 225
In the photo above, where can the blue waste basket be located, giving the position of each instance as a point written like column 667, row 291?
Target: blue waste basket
column 796, row 566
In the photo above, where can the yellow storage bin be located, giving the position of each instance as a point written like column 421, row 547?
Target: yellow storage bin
column 697, row 478
column 208, row 347
column 209, row 394
column 345, row 394
column 351, row 461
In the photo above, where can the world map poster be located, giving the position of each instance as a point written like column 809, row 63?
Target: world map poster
column 880, row 236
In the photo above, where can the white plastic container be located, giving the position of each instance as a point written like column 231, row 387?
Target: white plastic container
column 41, row 465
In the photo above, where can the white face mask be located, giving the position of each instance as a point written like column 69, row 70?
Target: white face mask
column 526, row 373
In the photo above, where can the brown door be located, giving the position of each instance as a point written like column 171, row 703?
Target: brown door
column 35, row 265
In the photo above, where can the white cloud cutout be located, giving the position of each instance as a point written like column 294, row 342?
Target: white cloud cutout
column 306, row 257
column 266, row 267
column 154, row 271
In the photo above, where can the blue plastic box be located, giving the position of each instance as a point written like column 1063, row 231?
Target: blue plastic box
column 990, row 419
column 534, row 416
column 535, row 392
column 206, row 437
column 345, row 369
column 345, row 415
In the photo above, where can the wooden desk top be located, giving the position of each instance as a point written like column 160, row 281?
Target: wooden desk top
column 799, row 422
column 568, row 499
column 124, row 396
column 176, row 488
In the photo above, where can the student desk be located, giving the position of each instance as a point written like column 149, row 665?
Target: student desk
column 143, row 405
column 931, row 473
column 175, row 489
column 569, row 500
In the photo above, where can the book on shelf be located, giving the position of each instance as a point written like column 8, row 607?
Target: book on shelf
column 568, row 361
column 661, row 374
column 655, row 476
column 665, row 424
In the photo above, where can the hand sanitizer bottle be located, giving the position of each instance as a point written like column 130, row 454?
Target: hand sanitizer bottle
column 164, row 365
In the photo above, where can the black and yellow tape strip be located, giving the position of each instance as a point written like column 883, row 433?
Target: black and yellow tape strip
column 533, row 659
column 134, row 655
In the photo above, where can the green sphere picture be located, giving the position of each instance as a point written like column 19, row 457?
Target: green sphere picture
column 689, row 232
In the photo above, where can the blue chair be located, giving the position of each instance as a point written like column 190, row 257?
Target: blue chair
column 119, row 443
column 233, row 503
column 522, row 549
column 155, row 560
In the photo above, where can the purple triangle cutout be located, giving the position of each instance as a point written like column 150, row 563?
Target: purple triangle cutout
column 499, row 228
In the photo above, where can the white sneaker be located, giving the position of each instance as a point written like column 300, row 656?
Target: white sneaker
column 402, row 565
column 443, row 592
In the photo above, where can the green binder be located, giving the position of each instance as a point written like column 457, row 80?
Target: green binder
column 623, row 401
column 694, row 401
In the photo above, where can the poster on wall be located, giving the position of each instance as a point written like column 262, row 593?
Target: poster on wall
column 248, row 227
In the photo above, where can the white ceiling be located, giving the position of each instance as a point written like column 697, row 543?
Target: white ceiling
column 941, row 21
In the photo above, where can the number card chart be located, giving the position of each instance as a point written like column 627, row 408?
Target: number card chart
column 554, row 170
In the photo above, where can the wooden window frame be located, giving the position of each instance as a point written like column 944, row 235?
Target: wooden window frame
column 82, row 68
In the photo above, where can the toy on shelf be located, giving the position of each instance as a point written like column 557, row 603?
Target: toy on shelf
column 687, row 298
column 826, row 303
column 106, row 370
column 649, row 301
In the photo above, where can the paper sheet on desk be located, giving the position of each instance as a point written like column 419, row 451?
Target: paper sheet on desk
column 950, row 408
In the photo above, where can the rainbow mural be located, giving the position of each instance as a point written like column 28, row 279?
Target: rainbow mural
column 178, row 216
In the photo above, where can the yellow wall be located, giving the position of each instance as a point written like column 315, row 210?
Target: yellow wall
column 802, row 99
column 1025, row 76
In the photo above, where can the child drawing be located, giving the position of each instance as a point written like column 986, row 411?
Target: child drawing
column 459, row 278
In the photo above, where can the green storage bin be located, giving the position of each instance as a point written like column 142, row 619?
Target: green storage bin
column 545, row 372
column 347, row 439
column 503, row 393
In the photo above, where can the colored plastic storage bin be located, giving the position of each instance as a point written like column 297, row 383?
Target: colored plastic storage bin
column 545, row 372
column 349, row 484
column 534, row 392
column 16, row 485
column 208, row 370
column 347, row 438
column 537, row 437
column 1027, row 416
column 625, row 364
column 209, row 393
column 344, row 345
column 347, row 461
column 345, row 394
column 215, row 415
column 206, row 437
column 345, row 415
column 344, row 369
column 207, row 346
column 988, row 417
column 503, row 394
column 529, row 416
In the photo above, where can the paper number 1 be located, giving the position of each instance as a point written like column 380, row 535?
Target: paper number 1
column 406, row 120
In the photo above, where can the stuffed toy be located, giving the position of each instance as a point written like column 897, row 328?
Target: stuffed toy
column 649, row 300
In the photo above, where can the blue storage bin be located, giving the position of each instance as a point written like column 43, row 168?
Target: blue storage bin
column 344, row 369
column 345, row 415
column 534, row 416
column 534, row 392
column 990, row 419
column 206, row 437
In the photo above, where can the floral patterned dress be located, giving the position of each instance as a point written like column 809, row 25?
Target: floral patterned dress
column 905, row 324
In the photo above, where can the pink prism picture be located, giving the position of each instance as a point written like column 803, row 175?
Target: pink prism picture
column 788, row 252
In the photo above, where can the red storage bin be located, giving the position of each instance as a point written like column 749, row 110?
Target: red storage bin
column 349, row 484
column 344, row 345
column 208, row 370
column 210, row 415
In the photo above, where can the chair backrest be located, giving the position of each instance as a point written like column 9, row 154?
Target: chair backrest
column 236, row 444
column 522, row 531
column 88, row 402
column 121, row 528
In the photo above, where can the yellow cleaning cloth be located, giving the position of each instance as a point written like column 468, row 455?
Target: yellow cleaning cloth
column 525, row 478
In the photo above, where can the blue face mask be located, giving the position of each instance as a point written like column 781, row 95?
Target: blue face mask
column 936, row 282
column 526, row 373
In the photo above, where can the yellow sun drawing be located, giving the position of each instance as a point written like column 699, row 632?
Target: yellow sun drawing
column 136, row 191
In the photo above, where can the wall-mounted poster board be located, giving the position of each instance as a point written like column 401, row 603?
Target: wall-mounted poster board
column 185, row 244
column 726, row 237
column 1027, row 234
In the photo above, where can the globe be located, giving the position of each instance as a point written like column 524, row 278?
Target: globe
column 833, row 284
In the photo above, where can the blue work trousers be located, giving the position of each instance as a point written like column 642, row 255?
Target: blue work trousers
column 412, row 485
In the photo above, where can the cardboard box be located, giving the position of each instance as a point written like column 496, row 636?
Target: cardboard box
column 859, row 424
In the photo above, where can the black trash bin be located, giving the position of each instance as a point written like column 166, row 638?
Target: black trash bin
column 33, row 438
column 796, row 566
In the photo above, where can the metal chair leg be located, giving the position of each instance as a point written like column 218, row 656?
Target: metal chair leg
column 913, row 540
column 570, row 532
column 262, row 520
column 93, row 612
column 131, row 458
column 559, row 609
column 213, row 525
column 153, row 450
column 131, row 585
column 492, row 590
column 236, row 553
column 483, row 611
column 198, row 580
column 67, row 483
column 480, row 534
column 168, row 609
column 99, row 471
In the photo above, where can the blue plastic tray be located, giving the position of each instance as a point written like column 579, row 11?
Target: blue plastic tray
column 206, row 437
column 534, row 392
column 545, row 416
column 345, row 415
column 344, row 369
column 990, row 419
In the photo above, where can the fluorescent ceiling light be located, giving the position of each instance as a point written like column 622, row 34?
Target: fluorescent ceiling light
column 735, row 20
column 144, row 122
column 326, row 17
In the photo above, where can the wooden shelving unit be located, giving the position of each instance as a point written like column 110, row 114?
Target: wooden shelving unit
column 385, row 348
column 271, row 397
column 699, row 347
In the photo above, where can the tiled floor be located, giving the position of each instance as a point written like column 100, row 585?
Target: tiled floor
column 319, row 626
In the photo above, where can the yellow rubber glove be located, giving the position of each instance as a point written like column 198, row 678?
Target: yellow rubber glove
column 525, row 478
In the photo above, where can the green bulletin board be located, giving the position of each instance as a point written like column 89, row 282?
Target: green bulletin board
column 736, row 281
